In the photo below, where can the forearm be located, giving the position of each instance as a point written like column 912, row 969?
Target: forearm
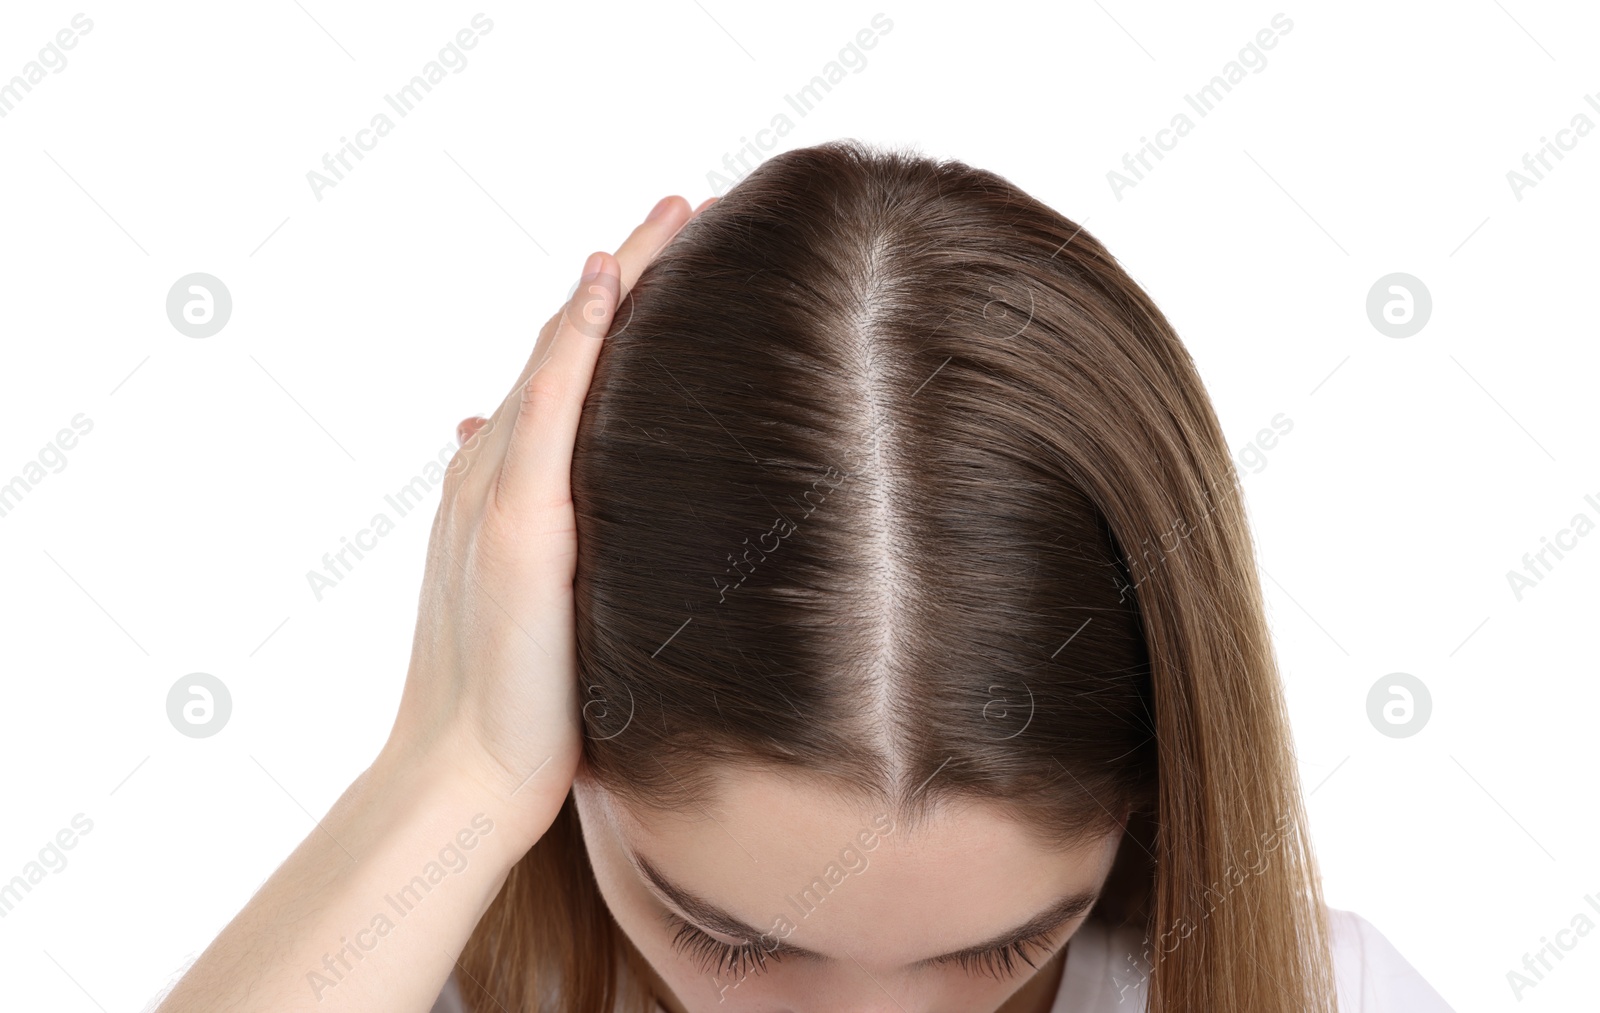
column 372, row 907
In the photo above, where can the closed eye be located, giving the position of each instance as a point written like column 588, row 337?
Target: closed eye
column 715, row 955
column 1002, row 961
column 750, row 957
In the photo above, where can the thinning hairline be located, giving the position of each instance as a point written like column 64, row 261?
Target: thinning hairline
column 912, row 811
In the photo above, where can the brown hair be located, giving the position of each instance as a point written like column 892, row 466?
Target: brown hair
column 891, row 476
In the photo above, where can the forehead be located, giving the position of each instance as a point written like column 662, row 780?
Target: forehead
column 837, row 876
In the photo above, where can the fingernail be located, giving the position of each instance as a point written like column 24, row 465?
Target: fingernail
column 591, row 267
column 659, row 210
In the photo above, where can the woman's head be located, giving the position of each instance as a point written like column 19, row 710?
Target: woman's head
column 901, row 506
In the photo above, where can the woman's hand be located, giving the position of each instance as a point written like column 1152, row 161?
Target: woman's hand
column 492, row 686
column 488, row 723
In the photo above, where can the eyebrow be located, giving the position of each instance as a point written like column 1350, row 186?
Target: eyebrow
column 709, row 916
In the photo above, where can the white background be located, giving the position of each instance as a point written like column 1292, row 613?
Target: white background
column 178, row 137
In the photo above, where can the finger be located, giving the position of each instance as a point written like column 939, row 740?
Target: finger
column 632, row 257
column 645, row 241
column 536, row 472
column 468, row 426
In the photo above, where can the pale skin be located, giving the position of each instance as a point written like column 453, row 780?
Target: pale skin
column 486, row 746
column 892, row 900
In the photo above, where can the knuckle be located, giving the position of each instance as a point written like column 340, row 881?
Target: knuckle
column 541, row 393
column 503, row 529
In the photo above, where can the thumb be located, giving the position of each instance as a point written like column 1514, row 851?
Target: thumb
column 537, row 470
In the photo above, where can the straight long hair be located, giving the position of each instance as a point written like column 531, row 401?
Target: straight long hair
column 890, row 476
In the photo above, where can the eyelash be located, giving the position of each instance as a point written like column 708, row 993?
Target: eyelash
column 751, row 958
column 1001, row 963
column 715, row 955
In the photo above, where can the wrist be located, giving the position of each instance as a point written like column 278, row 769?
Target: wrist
column 452, row 779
